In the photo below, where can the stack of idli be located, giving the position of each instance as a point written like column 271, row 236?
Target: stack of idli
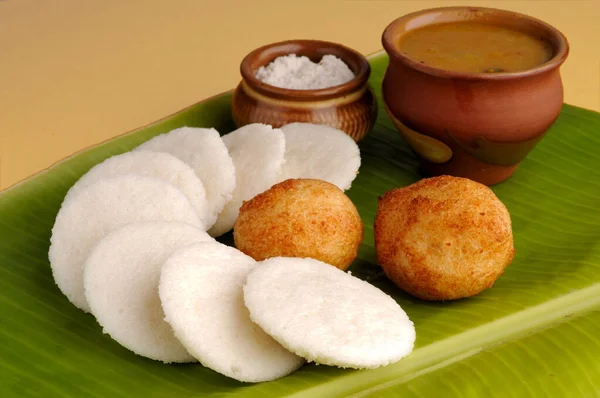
column 190, row 175
column 258, row 321
column 133, row 243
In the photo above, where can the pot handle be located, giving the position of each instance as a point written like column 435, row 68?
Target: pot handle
column 427, row 147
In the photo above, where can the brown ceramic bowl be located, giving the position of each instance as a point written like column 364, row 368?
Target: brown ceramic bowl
column 350, row 107
column 474, row 125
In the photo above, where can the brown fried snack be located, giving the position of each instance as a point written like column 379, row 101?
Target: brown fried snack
column 443, row 238
column 300, row 218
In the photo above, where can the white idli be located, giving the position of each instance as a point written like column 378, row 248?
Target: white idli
column 320, row 152
column 201, row 294
column 205, row 152
column 97, row 209
column 257, row 151
column 121, row 286
column 326, row 315
column 161, row 165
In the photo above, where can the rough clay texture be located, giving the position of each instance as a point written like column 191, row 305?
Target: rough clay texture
column 201, row 294
column 257, row 151
column 160, row 165
column 320, row 152
column 121, row 285
column 443, row 238
column 326, row 315
column 97, row 209
column 204, row 151
column 300, row 218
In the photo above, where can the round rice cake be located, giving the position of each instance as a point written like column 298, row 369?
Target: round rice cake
column 121, row 278
column 204, row 151
column 97, row 209
column 326, row 315
column 257, row 151
column 320, row 152
column 201, row 293
column 160, row 165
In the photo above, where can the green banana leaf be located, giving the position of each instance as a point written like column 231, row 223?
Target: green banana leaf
column 535, row 333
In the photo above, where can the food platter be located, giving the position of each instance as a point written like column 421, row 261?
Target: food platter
column 534, row 333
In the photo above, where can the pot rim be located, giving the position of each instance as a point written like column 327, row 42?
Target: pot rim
column 261, row 56
column 558, row 40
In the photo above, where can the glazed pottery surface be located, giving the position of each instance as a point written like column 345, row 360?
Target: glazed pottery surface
column 351, row 107
column 479, row 125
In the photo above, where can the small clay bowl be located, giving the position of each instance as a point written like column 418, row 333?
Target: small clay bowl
column 350, row 107
column 474, row 125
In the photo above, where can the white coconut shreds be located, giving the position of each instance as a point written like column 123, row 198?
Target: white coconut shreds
column 300, row 73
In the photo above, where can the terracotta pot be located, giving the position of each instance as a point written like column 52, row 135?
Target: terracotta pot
column 350, row 107
column 474, row 125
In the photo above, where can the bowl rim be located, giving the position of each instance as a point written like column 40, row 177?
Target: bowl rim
column 286, row 47
column 560, row 43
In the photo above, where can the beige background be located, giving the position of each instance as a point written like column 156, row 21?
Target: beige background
column 76, row 72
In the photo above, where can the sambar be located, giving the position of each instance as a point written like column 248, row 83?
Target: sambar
column 475, row 47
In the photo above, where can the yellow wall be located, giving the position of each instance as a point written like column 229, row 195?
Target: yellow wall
column 74, row 73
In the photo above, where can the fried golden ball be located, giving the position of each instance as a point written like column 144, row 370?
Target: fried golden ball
column 300, row 218
column 443, row 238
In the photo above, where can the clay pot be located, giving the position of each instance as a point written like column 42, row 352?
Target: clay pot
column 474, row 125
column 350, row 107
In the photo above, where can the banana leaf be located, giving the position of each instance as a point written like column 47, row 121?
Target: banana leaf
column 535, row 333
